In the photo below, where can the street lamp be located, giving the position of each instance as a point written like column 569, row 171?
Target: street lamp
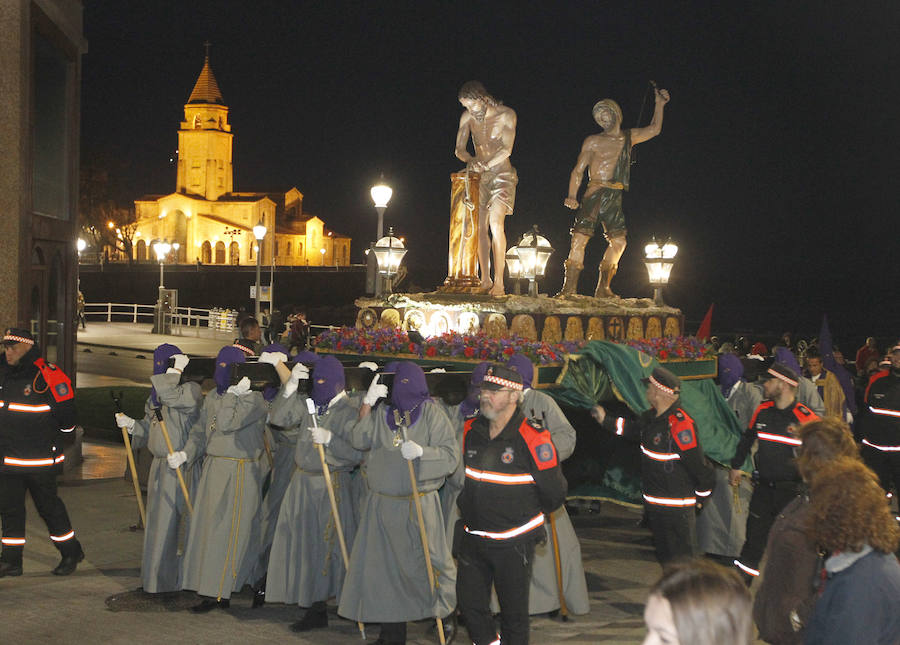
column 659, row 260
column 161, row 248
column 533, row 250
column 381, row 195
column 389, row 252
column 514, row 266
column 259, row 232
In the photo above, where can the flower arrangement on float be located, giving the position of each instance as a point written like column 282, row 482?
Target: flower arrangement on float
column 479, row 347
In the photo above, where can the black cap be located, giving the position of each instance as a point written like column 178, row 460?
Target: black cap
column 13, row 335
column 664, row 380
column 499, row 377
column 783, row 373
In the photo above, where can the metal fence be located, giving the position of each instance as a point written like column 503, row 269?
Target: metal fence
column 189, row 317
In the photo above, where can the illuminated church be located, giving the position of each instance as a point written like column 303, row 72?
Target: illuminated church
column 213, row 224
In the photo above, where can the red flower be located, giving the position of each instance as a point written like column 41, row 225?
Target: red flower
column 412, row 348
column 431, row 351
column 663, row 355
column 509, row 351
column 469, row 352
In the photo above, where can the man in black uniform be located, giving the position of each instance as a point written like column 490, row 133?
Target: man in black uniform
column 36, row 404
column 674, row 470
column 774, row 424
column 879, row 424
column 512, row 479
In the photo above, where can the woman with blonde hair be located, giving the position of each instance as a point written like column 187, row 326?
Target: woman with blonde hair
column 698, row 602
column 850, row 519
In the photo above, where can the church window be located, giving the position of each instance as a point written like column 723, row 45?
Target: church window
column 196, row 121
column 234, row 253
column 206, row 253
column 220, row 252
column 288, row 251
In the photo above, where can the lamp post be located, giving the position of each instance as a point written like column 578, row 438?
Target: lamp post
column 389, row 252
column 533, row 250
column 381, row 195
column 514, row 266
column 259, row 232
column 659, row 260
column 161, row 248
column 80, row 245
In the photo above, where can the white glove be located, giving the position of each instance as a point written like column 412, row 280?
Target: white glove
column 320, row 435
column 410, row 450
column 376, row 391
column 273, row 358
column 369, row 364
column 181, row 362
column 437, row 370
column 242, row 387
column 299, row 371
column 125, row 421
column 175, row 459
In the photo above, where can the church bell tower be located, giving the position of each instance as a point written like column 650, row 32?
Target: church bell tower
column 205, row 141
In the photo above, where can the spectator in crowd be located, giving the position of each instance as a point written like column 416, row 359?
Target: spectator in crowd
column 79, row 310
column 851, row 522
column 866, row 353
column 299, row 331
column 276, row 327
column 829, row 387
column 698, row 602
column 787, row 590
column 251, row 335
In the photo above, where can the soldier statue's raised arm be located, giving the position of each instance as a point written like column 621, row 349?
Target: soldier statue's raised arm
column 492, row 127
column 607, row 158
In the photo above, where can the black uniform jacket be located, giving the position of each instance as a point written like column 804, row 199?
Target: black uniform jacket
column 511, row 480
column 36, row 404
column 880, row 423
column 674, row 470
column 769, row 425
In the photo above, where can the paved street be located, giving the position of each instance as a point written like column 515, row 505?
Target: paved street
column 45, row 608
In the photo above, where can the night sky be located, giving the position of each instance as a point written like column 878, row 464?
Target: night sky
column 775, row 170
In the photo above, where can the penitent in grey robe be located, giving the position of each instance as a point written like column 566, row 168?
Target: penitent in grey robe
column 306, row 565
column 160, row 563
column 722, row 525
column 453, row 485
column 544, row 594
column 223, row 544
column 387, row 579
column 283, row 446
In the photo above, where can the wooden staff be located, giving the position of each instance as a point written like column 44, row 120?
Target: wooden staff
column 563, row 609
column 424, row 534
column 165, row 433
column 130, row 455
column 311, row 408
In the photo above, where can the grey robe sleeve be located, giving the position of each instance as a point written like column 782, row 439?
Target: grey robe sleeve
column 184, row 397
column 441, row 456
column 361, row 435
column 287, row 412
column 561, row 431
column 196, row 441
column 239, row 411
column 141, row 431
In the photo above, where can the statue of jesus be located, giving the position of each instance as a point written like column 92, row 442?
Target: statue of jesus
column 607, row 158
column 492, row 127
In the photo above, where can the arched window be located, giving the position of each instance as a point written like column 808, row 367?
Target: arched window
column 141, row 248
column 288, row 251
column 234, row 253
column 220, row 252
column 206, row 253
column 196, row 122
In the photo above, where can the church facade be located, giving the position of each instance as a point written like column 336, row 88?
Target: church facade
column 209, row 221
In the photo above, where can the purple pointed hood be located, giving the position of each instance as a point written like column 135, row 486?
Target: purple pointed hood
column 470, row 403
column 786, row 357
column 731, row 370
column 161, row 356
column 328, row 382
column 307, row 357
column 410, row 390
column 524, row 366
column 224, row 359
